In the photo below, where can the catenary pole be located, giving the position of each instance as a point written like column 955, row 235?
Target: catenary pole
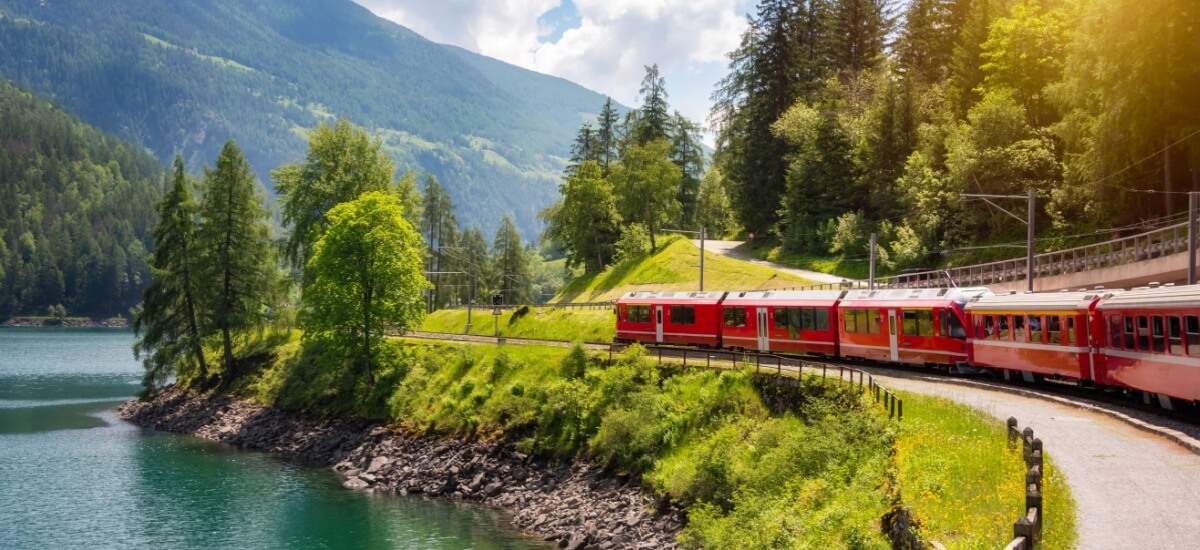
column 1029, row 245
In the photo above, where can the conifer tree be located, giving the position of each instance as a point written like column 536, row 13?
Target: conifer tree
column 438, row 222
column 687, row 154
column 607, row 137
column 168, row 324
column 654, row 116
column 511, row 265
column 238, row 267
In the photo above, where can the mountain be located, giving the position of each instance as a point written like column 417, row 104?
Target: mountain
column 76, row 210
column 187, row 75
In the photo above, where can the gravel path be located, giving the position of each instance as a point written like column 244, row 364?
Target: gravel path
column 729, row 248
column 1133, row 488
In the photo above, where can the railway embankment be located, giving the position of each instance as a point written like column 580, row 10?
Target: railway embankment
column 576, row 505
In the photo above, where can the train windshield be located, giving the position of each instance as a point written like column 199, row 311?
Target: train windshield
column 952, row 326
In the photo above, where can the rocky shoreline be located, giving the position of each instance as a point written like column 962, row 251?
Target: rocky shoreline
column 48, row 322
column 576, row 506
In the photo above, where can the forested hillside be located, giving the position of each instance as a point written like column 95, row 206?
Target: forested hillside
column 76, row 208
column 186, row 76
column 843, row 117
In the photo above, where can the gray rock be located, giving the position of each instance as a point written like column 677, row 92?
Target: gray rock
column 356, row 484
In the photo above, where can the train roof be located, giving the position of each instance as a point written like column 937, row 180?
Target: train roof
column 784, row 297
column 930, row 295
column 671, row 296
column 1037, row 301
column 1155, row 298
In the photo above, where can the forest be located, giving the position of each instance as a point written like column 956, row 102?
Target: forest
column 76, row 210
column 842, row 118
column 839, row 118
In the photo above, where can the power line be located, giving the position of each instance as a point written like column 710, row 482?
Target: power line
column 1144, row 159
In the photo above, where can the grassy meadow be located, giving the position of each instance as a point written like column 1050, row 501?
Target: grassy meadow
column 583, row 325
column 675, row 266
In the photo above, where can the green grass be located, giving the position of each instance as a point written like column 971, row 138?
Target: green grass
column 676, row 266
column 962, row 482
column 771, row 251
column 583, row 325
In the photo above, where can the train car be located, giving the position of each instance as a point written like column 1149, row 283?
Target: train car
column 1152, row 342
column 1037, row 335
column 781, row 320
column 670, row 318
column 916, row 326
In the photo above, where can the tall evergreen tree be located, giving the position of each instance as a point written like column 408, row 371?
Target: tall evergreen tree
column 607, row 136
column 654, row 116
column 858, row 35
column 238, row 266
column 585, row 147
column 511, row 266
column 688, row 155
column 437, row 222
column 477, row 261
column 168, row 324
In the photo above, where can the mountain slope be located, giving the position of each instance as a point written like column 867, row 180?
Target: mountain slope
column 189, row 74
column 76, row 209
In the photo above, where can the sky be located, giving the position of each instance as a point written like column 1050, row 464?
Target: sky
column 602, row 45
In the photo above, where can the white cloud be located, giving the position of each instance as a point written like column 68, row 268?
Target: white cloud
column 606, row 52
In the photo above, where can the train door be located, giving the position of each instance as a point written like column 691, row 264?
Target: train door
column 893, row 337
column 658, row 324
column 764, row 332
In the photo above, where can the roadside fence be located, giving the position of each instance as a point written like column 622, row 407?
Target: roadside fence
column 1027, row 530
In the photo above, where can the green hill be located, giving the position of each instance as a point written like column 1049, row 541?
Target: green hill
column 189, row 74
column 76, row 209
column 676, row 266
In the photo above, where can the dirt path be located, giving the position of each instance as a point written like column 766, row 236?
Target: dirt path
column 730, row 249
column 1133, row 489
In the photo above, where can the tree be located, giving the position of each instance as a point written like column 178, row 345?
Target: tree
column 687, row 154
column 239, row 267
column 477, row 259
column 859, row 31
column 607, row 136
column 654, row 116
column 343, row 162
column 438, row 222
column 168, row 324
column 510, row 264
column 366, row 276
column 586, row 147
column 713, row 210
column 585, row 222
column 1024, row 53
column 646, row 183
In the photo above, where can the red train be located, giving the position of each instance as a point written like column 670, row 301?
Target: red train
column 1146, row 339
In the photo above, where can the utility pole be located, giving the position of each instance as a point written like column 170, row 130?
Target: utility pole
column 703, row 233
column 871, row 277
column 1028, row 221
column 1193, row 207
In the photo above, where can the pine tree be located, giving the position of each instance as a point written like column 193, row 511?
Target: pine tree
column 511, row 265
column 437, row 222
column 859, row 31
column 687, row 154
column 654, row 116
column 168, row 322
column 585, row 147
column 238, row 265
column 607, row 137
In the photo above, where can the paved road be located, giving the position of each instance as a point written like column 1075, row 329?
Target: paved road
column 729, row 248
column 1133, row 489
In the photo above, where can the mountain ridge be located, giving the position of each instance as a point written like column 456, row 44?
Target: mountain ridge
column 189, row 77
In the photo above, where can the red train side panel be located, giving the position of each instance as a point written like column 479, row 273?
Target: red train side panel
column 780, row 320
column 1046, row 333
column 670, row 318
column 1152, row 341
column 918, row 326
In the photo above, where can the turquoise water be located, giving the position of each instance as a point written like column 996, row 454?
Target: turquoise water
column 72, row 475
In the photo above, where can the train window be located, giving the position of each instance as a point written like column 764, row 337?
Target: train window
column 1002, row 329
column 1129, row 342
column 1019, row 328
column 1157, row 340
column 1143, row 333
column 1192, row 329
column 821, row 317
column 1114, row 331
column 807, row 318
column 683, row 315
column 735, row 317
column 1035, row 329
column 848, row 320
column 1054, row 329
column 908, row 324
column 1174, row 336
column 781, row 318
column 1071, row 330
column 989, row 327
column 637, row 314
column 952, row 326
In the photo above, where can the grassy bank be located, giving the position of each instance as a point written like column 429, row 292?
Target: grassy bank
column 587, row 325
column 962, row 482
column 675, row 266
column 834, row 265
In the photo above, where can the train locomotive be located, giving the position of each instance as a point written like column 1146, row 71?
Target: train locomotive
column 1143, row 340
